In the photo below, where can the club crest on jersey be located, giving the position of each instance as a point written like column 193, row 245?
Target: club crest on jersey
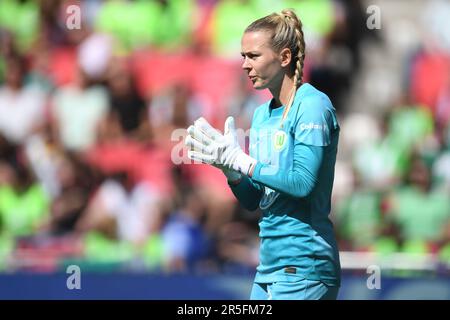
column 279, row 140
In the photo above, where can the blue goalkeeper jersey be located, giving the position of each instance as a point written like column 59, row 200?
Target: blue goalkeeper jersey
column 292, row 184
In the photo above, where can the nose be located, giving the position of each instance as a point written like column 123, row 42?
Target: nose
column 245, row 65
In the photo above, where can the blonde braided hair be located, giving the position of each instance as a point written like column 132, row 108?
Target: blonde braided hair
column 287, row 32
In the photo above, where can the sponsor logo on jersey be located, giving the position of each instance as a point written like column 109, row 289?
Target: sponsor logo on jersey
column 311, row 125
column 268, row 198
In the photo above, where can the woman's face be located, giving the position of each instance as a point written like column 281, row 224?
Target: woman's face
column 262, row 64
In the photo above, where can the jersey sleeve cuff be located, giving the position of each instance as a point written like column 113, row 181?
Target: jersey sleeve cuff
column 257, row 171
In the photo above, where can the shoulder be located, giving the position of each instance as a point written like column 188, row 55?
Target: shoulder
column 314, row 106
column 311, row 100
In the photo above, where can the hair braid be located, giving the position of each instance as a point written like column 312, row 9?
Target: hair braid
column 297, row 48
column 300, row 56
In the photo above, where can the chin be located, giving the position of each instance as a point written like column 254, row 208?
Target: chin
column 259, row 86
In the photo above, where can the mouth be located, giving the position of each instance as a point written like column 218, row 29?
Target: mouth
column 253, row 78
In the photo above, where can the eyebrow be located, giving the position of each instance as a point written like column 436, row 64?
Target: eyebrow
column 249, row 52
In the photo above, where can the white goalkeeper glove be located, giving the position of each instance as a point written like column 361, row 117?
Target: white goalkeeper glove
column 197, row 148
column 209, row 146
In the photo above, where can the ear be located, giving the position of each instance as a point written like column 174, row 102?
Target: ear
column 285, row 57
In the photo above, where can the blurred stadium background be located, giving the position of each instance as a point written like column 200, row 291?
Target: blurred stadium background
column 86, row 123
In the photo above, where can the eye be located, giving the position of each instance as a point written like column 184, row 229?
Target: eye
column 250, row 55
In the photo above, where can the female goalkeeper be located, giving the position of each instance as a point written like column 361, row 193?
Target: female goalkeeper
column 290, row 170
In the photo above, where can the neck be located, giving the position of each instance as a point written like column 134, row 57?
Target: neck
column 282, row 93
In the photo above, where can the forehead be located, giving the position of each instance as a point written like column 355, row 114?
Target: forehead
column 255, row 41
